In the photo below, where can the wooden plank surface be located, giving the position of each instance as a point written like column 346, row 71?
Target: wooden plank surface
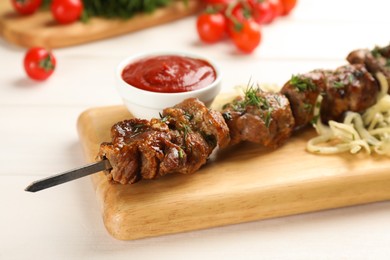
column 245, row 183
column 40, row 29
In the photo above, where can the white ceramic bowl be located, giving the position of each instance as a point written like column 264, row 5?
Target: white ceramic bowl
column 146, row 104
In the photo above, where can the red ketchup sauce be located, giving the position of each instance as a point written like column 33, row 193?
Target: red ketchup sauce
column 169, row 74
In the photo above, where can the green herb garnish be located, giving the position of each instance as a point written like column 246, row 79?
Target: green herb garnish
column 164, row 119
column 188, row 116
column 268, row 118
column 315, row 119
column 338, row 84
column 307, row 106
column 301, row 83
column 351, row 78
column 376, row 52
column 252, row 99
column 181, row 154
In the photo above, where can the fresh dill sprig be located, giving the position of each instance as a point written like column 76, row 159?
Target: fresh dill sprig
column 376, row 52
column 267, row 120
column 164, row 119
column 301, row 83
column 251, row 98
column 338, row 84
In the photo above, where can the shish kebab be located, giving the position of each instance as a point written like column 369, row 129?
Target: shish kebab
column 184, row 136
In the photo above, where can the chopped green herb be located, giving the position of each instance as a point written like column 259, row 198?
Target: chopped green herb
column 315, row 119
column 338, row 84
column 137, row 129
column 388, row 62
column 351, row 78
column 376, row 52
column 301, row 83
column 164, row 119
column 277, row 99
column 181, row 154
column 188, row 116
column 185, row 129
column 307, row 106
column 268, row 118
column 251, row 98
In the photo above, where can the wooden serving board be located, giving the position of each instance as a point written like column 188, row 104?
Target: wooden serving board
column 245, row 183
column 40, row 29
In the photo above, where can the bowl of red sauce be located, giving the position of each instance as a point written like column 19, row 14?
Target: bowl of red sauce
column 150, row 82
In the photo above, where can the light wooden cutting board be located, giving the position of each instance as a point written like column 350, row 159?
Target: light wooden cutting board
column 40, row 29
column 246, row 183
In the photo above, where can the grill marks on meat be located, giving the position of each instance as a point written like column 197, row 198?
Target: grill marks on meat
column 348, row 88
column 208, row 122
column 302, row 91
column 179, row 142
column 375, row 60
column 259, row 117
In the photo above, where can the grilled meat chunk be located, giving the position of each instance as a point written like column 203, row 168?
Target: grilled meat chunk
column 137, row 149
column 376, row 60
column 259, row 117
column 302, row 91
column 179, row 142
column 348, row 88
column 208, row 122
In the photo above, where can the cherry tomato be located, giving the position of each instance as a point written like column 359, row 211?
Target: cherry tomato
column 288, row 5
column 211, row 27
column 39, row 63
column 246, row 35
column 26, row 7
column 277, row 6
column 213, row 2
column 237, row 14
column 66, row 11
column 262, row 11
column 242, row 11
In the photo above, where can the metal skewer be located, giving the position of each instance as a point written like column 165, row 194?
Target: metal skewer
column 69, row 176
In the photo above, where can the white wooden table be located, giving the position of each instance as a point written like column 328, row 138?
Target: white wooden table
column 39, row 138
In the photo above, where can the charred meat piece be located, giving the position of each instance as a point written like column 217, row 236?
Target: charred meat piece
column 302, row 91
column 175, row 143
column 348, row 88
column 376, row 60
column 209, row 123
column 259, row 117
column 123, row 153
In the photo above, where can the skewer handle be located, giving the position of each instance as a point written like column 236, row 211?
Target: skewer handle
column 69, row 176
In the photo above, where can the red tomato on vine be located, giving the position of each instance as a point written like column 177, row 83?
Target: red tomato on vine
column 211, row 27
column 288, row 5
column 263, row 12
column 39, row 63
column 26, row 7
column 246, row 35
column 66, row 11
